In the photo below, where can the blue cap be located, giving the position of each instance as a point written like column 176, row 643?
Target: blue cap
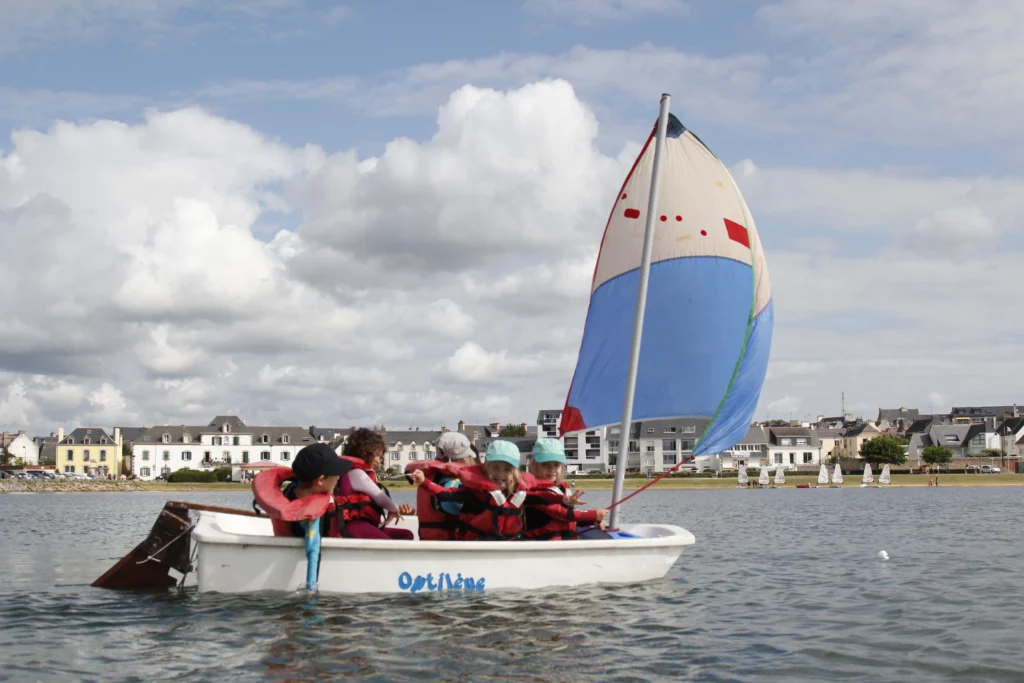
column 548, row 450
column 503, row 451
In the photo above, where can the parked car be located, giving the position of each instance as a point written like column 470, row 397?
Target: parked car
column 988, row 469
column 160, row 477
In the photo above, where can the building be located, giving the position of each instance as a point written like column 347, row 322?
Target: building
column 796, row 446
column 829, row 439
column 977, row 414
column 983, row 436
column 751, row 451
column 548, row 423
column 224, row 442
column 950, row 436
column 590, row 450
column 129, row 435
column 89, row 450
column 848, row 446
column 18, row 447
column 410, row 445
column 897, row 418
column 47, row 449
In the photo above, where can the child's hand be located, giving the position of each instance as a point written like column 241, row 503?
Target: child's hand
column 602, row 523
column 407, row 509
column 418, row 478
column 574, row 499
column 395, row 517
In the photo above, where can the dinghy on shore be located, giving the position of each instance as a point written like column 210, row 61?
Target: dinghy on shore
column 868, row 480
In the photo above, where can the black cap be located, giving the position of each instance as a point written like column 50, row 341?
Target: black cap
column 318, row 460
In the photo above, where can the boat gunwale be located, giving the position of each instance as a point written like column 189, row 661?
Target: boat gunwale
column 207, row 533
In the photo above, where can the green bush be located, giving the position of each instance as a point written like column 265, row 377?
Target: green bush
column 222, row 473
column 192, row 477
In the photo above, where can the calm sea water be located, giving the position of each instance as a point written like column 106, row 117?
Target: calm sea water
column 781, row 585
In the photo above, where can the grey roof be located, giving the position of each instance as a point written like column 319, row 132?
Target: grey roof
column 983, row 411
column 938, row 434
column 892, row 414
column 132, row 433
column 754, row 435
column 829, row 433
column 232, row 420
column 858, row 429
column 94, row 435
column 777, row 433
column 275, row 435
column 329, row 433
column 418, row 436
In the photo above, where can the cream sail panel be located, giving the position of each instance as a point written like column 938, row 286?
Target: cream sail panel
column 704, row 214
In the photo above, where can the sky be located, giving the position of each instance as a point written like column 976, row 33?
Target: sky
column 342, row 213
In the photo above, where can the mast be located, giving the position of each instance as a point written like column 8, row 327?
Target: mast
column 638, row 320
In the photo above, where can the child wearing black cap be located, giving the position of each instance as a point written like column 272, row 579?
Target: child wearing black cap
column 317, row 469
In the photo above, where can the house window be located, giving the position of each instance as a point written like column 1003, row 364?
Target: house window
column 650, row 448
column 69, row 468
column 227, row 427
column 801, row 441
column 670, row 430
column 572, row 455
column 264, row 439
column 808, row 457
column 593, row 455
column 207, row 455
column 785, row 442
column 165, row 471
column 668, row 459
column 952, row 438
column 227, row 457
column 71, row 454
column 70, row 441
column 85, row 455
column 245, row 457
column 686, row 444
column 87, row 441
column 103, row 440
column 143, row 471
column 689, row 430
column 395, row 455
column 166, row 455
column 413, row 455
column 264, row 455
column 286, row 439
column 103, row 456
column 634, row 446
column 145, row 455
column 286, row 456
column 187, row 455
column 166, row 438
column 650, row 430
column 186, row 437
column 234, row 441
column 778, row 458
column 218, row 441
column 668, row 444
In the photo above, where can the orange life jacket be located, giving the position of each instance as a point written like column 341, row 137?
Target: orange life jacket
column 435, row 524
column 540, row 526
column 355, row 506
column 486, row 513
column 266, row 488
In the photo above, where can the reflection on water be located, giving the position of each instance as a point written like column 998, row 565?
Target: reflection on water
column 782, row 584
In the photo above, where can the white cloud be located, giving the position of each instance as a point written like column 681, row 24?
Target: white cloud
column 592, row 11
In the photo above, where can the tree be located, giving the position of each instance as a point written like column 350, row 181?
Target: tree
column 991, row 453
column 513, row 430
column 883, row 449
column 937, row 455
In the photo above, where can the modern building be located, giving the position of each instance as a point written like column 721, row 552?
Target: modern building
column 548, row 423
column 224, row 442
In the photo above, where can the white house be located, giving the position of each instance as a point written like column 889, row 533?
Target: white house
column 796, row 446
column 749, row 452
column 19, row 447
column 224, row 442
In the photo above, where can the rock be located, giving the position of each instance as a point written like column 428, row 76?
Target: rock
column 66, row 485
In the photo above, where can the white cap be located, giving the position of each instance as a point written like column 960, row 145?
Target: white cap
column 454, row 446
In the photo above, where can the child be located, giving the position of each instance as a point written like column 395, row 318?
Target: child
column 554, row 521
column 438, row 520
column 365, row 501
column 313, row 475
column 491, row 495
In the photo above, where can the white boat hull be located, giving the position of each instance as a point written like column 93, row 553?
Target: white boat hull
column 239, row 555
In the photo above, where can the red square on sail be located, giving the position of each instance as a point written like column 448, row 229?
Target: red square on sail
column 737, row 233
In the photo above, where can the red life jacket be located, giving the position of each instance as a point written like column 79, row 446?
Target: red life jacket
column 539, row 525
column 266, row 488
column 435, row 523
column 357, row 506
column 487, row 514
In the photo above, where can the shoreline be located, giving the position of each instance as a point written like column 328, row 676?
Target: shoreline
column 582, row 483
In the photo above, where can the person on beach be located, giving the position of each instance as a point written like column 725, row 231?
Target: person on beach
column 491, row 495
column 365, row 450
column 555, row 521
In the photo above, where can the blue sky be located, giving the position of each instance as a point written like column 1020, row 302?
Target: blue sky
column 881, row 146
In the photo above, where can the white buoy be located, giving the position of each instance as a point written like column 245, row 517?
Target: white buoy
column 882, row 555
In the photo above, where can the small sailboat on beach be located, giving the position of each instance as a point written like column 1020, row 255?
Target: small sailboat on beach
column 780, row 476
column 837, row 478
column 885, row 478
column 680, row 240
column 822, row 476
column 868, row 479
column 763, row 481
column 742, row 478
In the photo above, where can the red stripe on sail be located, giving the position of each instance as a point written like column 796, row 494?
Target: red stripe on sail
column 737, row 233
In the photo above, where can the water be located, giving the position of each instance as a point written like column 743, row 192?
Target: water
column 781, row 585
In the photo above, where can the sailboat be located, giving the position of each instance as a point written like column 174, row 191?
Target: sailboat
column 822, row 476
column 702, row 272
column 868, row 479
column 742, row 479
column 780, row 475
column 837, row 478
column 885, row 477
column 763, row 481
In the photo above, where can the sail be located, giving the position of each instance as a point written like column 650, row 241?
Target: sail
column 743, row 479
column 780, row 474
column 823, row 474
column 885, row 477
column 837, row 476
column 763, row 479
column 708, row 324
column 868, row 477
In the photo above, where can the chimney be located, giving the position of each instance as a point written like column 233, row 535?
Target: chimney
column 60, row 434
column 117, row 435
column 462, row 426
column 21, row 431
column 495, row 425
column 443, row 429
